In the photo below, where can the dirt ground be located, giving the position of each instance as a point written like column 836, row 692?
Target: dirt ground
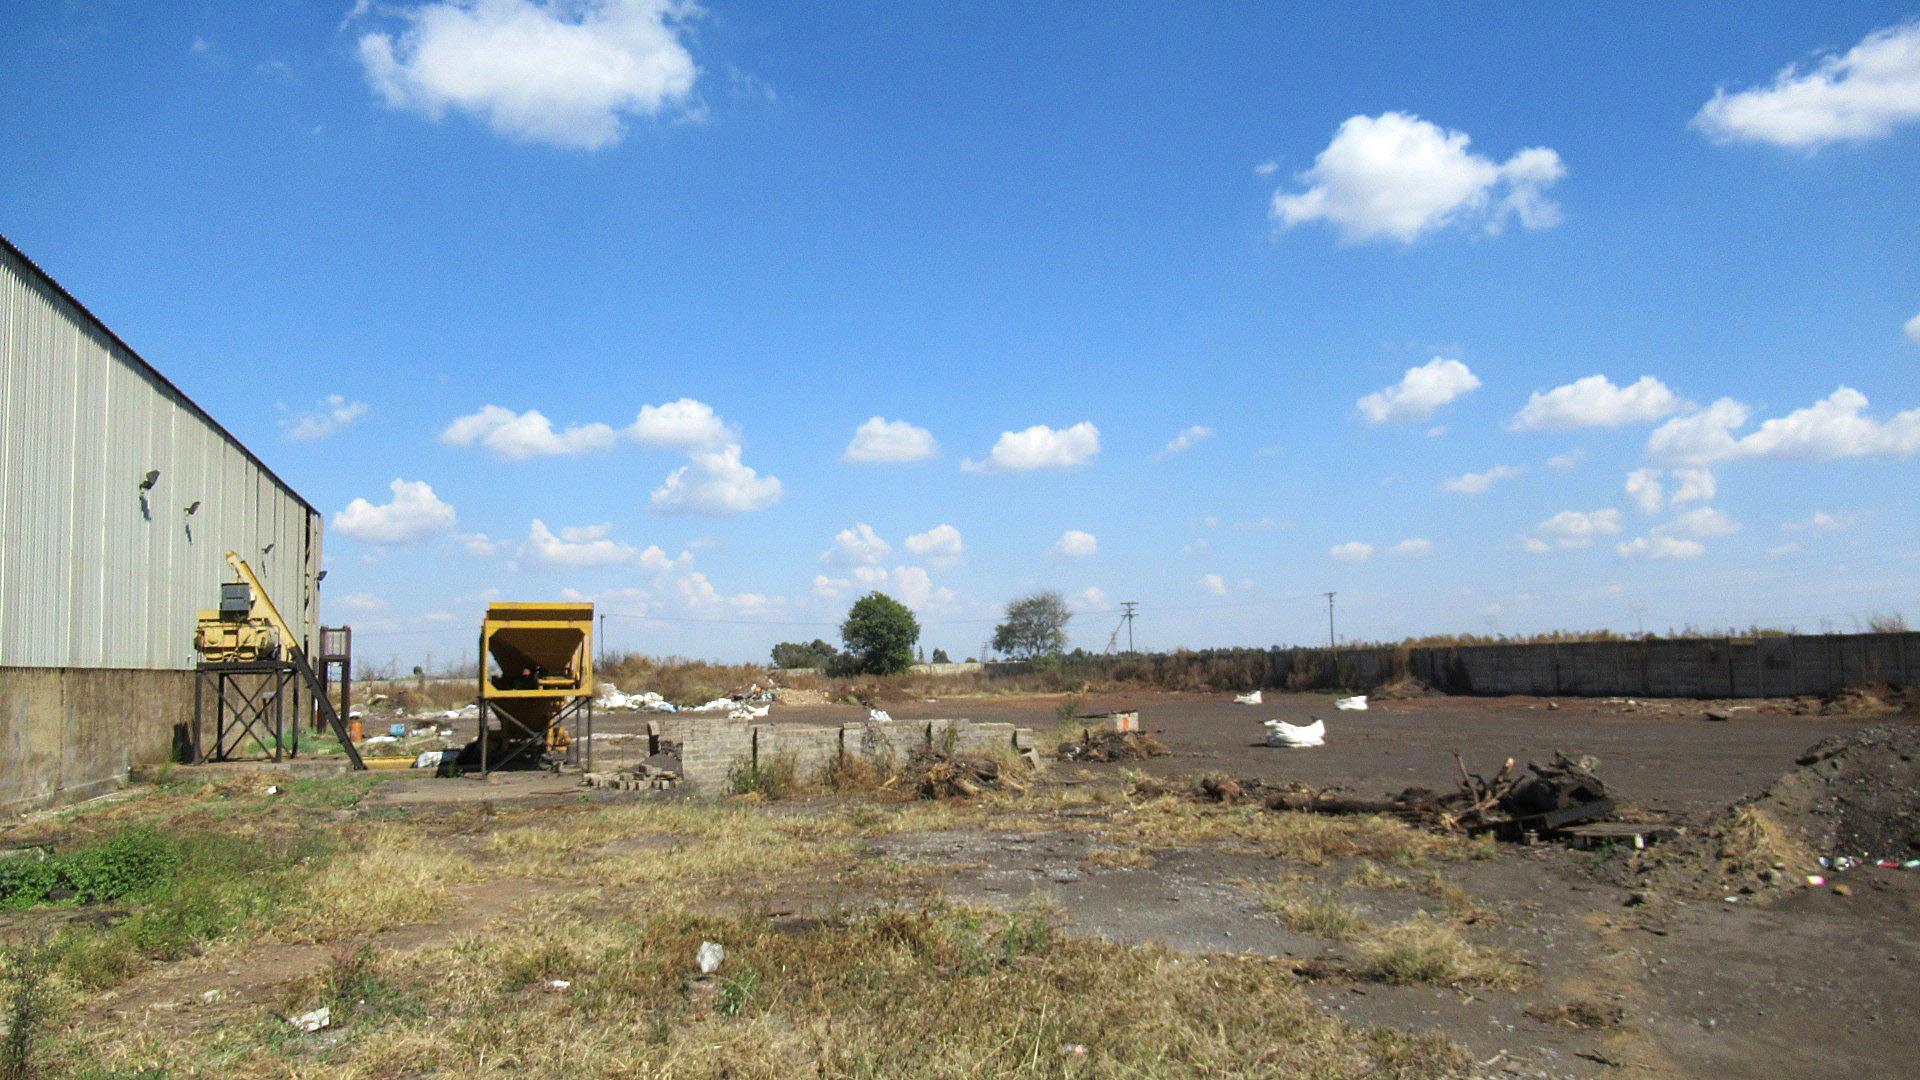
column 1609, row 981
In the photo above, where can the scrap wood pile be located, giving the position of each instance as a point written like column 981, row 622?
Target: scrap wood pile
column 1111, row 746
column 1542, row 798
column 943, row 774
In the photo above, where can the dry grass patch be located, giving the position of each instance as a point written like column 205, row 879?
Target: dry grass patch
column 1426, row 951
column 942, row 993
column 1310, row 910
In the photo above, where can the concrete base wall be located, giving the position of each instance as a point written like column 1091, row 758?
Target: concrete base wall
column 68, row 734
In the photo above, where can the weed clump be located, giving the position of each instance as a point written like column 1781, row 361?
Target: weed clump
column 128, row 864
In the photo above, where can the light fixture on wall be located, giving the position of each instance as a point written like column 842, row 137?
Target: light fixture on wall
column 193, row 507
column 146, row 485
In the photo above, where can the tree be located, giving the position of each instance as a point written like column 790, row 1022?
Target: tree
column 940, row 657
column 1036, row 626
column 880, row 634
column 793, row 654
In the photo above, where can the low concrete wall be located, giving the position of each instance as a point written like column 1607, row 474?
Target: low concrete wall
column 712, row 747
column 72, row 733
column 1782, row 666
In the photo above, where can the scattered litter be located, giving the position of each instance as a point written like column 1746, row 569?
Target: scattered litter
column 356, row 714
column 1252, row 698
column 559, row 984
column 878, row 716
column 1080, row 1049
column 748, row 712
column 397, row 731
column 379, row 740
column 1281, row 733
column 274, row 790
column 1111, row 746
column 709, row 956
column 1815, row 881
column 464, row 712
column 212, row 997
column 1356, row 703
column 1843, row 890
column 611, row 698
column 719, row 704
column 431, row 759
column 313, row 1021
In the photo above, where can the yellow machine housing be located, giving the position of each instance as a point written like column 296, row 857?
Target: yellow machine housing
column 543, row 653
column 246, row 628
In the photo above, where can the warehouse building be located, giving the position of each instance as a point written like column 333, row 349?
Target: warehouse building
column 119, row 498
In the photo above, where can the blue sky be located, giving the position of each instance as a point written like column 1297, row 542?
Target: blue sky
column 1346, row 248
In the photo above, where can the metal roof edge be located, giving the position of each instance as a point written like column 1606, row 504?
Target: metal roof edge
column 48, row 279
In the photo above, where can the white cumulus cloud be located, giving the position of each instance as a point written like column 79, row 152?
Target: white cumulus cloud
column 1660, row 547
column 566, row 73
column 1091, row 598
column 1701, row 524
column 333, row 414
column 1398, row 177
column 1413, row 547
column 1595, row 402
column 586, row 545
column 1477, row 483
column 1420, row 392
column 518, row 436
column 941, row 544
column 1834, row 427
column 917, row 590
column 1693, row 485
column 1188, row 439
column 1040, row 447
column 1574, row 529
column 414, row 514
column 1352, row 551
column 1076, row 544
column 883, row 440
column 1821, row 521
column 362, row 602
column 1913, row 329
column 1213, row 584
column 716, row 484
column 1858, row 95
column 858, row 546
column 685, row 424
column 1646, row 490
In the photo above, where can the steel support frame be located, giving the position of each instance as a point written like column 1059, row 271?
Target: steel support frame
column 249, row 700
column 579, row 752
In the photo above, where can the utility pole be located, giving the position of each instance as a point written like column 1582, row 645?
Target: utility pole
column 1330, row 637
column 1126, row 616
column 603, row 639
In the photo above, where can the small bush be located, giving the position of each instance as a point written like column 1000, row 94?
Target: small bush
column 776, row 777
column 23, row 972
column 126, row 865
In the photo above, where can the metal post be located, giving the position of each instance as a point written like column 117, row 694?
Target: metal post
column 199, row 702
column 1330, row 638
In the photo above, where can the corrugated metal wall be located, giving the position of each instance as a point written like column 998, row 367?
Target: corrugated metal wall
column 89, row 577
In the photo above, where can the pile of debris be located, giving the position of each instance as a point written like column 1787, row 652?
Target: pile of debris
column 941, row 774
column 1540, row 800
column 1111, row 746
column 656, row 773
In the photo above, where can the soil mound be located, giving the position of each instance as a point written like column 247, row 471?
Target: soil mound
column 1849, row 799
column 1856, row 795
